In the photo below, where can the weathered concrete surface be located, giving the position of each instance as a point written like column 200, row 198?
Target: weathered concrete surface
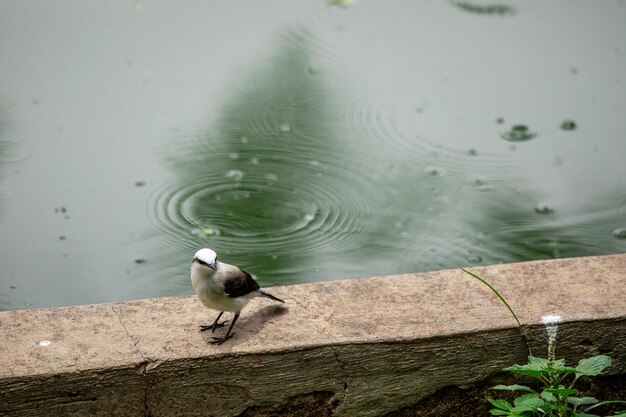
column 364, row 347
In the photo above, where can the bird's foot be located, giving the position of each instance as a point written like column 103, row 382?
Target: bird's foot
column 220, row 340
column 212, row 326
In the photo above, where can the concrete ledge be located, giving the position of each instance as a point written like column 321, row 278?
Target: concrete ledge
column 359, row 347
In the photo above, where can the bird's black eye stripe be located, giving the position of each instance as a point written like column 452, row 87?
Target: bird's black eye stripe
column 201, row 262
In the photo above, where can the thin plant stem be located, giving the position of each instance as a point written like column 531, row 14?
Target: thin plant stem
column 604, row 403
column 519, row 324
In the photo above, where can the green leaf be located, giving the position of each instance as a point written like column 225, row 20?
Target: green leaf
column 527, row 402
column 536, row 367
column 566, row 370
column 537, row 363
column 523, row 399
column 578, row 401
column 586, row 415
column 498, row 412
column 557, row 364
column 593, row 366
column 548, row 396
column 512, row 388
column 533, row 368
column 562, row 391
column 501, row 404
column 523, row 409
column 517, row 369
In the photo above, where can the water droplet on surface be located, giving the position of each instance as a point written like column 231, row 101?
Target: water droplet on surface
column 43, row 343
column 234, row 156
column 544, row 209
column 434, row 171
column 243, row 139
column 472, row 152
column 478, row 181
column 146, row 74
column 254, row 160
column 474, row 259
column 484, row 9
column 312, row 69
column 206, row 231
column 309, row 217
column 619, row 233
column 210, row 231
column 568, row 125
column 284, row 128
column 235, row 174
column 518, row 133
column 271, row 177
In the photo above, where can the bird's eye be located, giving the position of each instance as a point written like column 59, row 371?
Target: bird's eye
column 200, row 261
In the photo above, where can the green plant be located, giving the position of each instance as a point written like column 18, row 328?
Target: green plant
column 519, row 324
column 557, row 396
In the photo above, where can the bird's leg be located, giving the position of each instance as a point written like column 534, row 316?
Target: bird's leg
column 214, row 325
column 220, row 340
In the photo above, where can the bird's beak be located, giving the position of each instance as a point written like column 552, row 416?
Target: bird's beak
column 212, row 265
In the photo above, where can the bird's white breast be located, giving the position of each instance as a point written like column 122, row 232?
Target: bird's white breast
column 210, row 291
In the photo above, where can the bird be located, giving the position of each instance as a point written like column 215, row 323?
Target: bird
column 223, row 287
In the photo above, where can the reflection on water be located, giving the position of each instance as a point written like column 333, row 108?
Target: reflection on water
column 510, row 232
column 293, row 183
column 311, row 145
column 271, row 183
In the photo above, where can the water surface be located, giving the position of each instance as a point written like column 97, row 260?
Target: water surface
column 303, row 141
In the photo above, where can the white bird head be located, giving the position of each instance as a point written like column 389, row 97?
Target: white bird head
column 205, row 258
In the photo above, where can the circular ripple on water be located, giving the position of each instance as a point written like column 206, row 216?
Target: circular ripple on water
column 369, row 112
column 303, row 209
column 380, row 120
column 12, row 153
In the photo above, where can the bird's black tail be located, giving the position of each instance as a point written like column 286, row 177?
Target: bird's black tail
column 268, row 295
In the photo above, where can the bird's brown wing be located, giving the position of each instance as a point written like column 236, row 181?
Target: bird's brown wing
column 239, row 284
